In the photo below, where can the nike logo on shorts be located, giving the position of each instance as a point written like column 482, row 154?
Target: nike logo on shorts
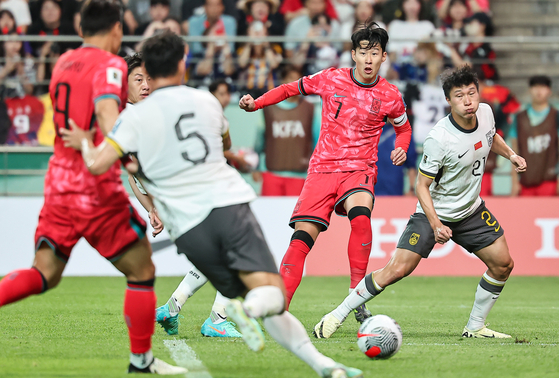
column 364, row 185
column 288, row 264
column 461, row 156
column 364, row 245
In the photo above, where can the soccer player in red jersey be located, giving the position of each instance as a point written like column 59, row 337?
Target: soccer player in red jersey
column 90, row 84
column 342, row 171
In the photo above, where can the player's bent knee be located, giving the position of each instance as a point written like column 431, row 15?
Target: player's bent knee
column 303, row 236
column 357, row 211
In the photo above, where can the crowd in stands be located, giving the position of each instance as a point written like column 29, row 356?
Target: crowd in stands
column 255, row 66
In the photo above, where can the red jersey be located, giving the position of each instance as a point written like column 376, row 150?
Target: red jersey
column 26, row 114
column 80, row 78
column 353, row 115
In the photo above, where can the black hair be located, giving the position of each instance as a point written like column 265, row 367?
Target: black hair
column 540, row 80
column 402, row 14
column 484, row 19
column 458, row 78
column 134, row 61
column 162, row 53
column 288, row 68
column 216, row 83
column 174, row 18
column 3, row 51
column 100, row 16
column 372, row 33
column 166, row 3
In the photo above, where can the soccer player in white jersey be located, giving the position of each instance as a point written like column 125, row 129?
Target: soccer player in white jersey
column 203, row 202
column 454, row 156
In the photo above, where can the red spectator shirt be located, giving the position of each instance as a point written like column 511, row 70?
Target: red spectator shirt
column 26, row 115
column 353, row 115
column 80, row 78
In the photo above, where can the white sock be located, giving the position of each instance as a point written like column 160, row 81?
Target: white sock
column 264, row 301
column 218, row 314
column 487, row 293
column 358, row 296
column 190, row 284
column 141, row 360
column 290, row 334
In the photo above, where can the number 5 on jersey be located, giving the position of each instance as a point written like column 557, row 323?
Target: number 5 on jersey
column 196, row 148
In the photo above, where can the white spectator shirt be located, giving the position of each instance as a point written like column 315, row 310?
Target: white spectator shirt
column 20, row 10
column 430, row 108
column 176, row 134
column 455, row 159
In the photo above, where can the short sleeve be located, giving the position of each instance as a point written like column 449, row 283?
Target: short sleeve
column 313, row 84
column 398, row 111
column 109, row 80
column 433, row 157
column 123, row 137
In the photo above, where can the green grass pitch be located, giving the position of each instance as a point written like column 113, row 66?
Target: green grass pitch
column 77, row 330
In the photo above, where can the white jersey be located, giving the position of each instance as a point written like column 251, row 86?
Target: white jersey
column 136, row 181
column 430, row 108
column 455, row 159
column 176, row 134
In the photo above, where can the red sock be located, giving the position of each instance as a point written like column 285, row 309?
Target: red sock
column 139, row 314
column 20, row 284
column 293, row 262
column 359, row 247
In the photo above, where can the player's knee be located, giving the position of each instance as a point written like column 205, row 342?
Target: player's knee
column 143, row 272
column 360, row 218
column 303, row 236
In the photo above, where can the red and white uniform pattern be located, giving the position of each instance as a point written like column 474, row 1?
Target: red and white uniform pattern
column 353, row 115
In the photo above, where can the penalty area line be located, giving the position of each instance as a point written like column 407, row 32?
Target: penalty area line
column 185, row 356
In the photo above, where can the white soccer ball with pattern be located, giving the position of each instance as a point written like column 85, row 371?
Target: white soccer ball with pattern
column 379, row 337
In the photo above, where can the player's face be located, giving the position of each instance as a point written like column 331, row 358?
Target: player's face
column 367, row 61
column 540, row 93
column 223, row 96
column 464, row 101
column 138, row 85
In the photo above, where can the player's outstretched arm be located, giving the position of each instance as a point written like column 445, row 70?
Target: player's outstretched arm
column 500, row 147
column 273, row 96
column 106, row 112
column 442, row 232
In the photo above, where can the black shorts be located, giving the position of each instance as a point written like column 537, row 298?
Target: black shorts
column 475, row 232
column 229, row 240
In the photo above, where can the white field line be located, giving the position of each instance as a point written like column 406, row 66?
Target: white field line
column 460, row 344
column 185, row 356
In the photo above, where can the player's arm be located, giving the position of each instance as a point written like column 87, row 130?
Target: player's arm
column 442, row 232
column 500, row 147
column 147, row 203
column 106, row 113
column 226, row 141
column 399, row 120
column 273, row 96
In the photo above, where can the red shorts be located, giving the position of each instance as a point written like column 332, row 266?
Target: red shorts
column 546, row 188
column 110, row 230
column 274, row 185
column 326, row 192
column 486, row 185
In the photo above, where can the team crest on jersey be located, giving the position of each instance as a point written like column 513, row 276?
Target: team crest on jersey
column 425, row 157
column 489, row 136
column 375, row 107
column 414, row 238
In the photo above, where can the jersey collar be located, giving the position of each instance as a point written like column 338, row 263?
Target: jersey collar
column 351, row 73
column 460, row 128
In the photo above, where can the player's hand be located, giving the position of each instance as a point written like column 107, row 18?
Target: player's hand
column 247, row 103
column 519, row 163
column 442, row 233
column 73, row 137
column 155, row 222
column 398, row 156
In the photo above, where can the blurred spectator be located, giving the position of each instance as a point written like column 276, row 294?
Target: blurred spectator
column 20, row 11
column 50, row 23
column 140, row 9
column 159, row 10
column 26, row 115
column 291, row 9
column 17, row 72
column 534, row 135
column 258, row 61
column 345, row 10
column 7, row 22
column 311, row 24
column 286, row 140
column 504, row 106
column 472, row 6
column 390, row 179
column 479, row 54
column 407, row 30
column 392, row 10
column 456, row 11
column 192, row 8
column 264, row 11
column 69, row 7
column 212, row 23
column 5, row 123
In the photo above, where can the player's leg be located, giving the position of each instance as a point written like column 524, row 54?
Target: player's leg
column 45, row 274
column 217, row 324
column 168, row 314
column 499, row 266
column 293, row 262
column 358, row 207
column 416, row 243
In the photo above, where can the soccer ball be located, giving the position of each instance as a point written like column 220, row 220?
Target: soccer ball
column 379, row 337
